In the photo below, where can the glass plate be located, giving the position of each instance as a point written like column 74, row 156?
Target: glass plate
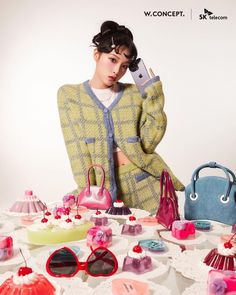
column 17, row 257
column 200, row 237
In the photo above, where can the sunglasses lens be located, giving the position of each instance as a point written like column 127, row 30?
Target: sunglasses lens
column 101, row 262
column 63, row 262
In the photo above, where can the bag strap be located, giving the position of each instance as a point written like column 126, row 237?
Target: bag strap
column 227, row 172
column 100, row 192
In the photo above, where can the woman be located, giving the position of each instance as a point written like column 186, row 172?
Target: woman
column 110, row 123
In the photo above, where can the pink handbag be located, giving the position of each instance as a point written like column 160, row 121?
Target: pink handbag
column 95, row 197
column 168, row 209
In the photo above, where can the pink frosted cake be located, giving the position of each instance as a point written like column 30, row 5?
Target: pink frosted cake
column 137, row 261
column 27, row 282
column 99, row 236
column 118, row 208
column 128, row 287
column 29, row 204
column 183, row 229
column 6, row 247
column 99, row 218
column 131, row 227
column 221, row 282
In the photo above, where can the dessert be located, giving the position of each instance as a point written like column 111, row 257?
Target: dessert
column 152, row 245
column 27, row 282
column 118, row 208
column 221, row 282
column 231, row 237
column 29, row 204
column 99, row 236
column 202, row 225
column 69, row 200
column 222, row 257
column 148, row 221
column 99, row 218
column 6, row 247
column 131, row 227
column 52, row 229
column 137, row 261
column 183, row 229
column 128, row 286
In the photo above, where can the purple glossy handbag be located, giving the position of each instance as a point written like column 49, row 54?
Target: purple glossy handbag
column 95, row 197
column 168, row 209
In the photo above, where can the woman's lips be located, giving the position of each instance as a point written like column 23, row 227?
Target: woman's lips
column 111, row 78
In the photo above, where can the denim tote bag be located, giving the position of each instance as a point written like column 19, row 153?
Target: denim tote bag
column 211, row 197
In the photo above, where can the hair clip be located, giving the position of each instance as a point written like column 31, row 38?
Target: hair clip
column 112, row 43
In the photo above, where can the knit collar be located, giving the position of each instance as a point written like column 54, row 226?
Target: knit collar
column 98, row 102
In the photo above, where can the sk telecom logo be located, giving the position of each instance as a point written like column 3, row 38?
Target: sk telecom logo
column 209, row 15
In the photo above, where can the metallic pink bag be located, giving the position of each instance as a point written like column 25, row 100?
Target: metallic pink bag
column 95, row 197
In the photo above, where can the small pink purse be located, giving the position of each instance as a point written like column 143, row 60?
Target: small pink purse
column 95, row 197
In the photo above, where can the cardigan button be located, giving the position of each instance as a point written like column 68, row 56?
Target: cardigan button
column 105, row 111
column 110, row 135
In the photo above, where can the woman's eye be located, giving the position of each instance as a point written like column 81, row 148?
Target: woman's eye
column 113, row 60
column 125, row 67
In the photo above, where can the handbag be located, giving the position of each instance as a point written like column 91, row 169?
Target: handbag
column 168, row 210
column 95, row 197
column 211, row 197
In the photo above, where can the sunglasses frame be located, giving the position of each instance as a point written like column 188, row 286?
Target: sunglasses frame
column 81, row 265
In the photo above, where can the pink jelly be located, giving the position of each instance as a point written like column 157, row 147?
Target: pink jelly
column 183, row 229
column 99, row 236
column 221, row 280
column 6, row 247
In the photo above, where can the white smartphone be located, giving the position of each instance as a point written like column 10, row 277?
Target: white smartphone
column 140, row 74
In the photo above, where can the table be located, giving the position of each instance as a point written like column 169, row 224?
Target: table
column 170, row 272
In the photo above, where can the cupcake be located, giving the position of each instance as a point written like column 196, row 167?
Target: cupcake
column 137, row 261
column 118, row 208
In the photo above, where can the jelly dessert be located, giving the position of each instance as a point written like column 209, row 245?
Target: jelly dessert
column 202, row 225
column 6, row 248
column 152, row 245
column 99, row 236
column 221, row 282
column 183, row 229
column 118, row 208
column 137, row 261
column 99, row 218
column 29, row 204
column 131, row 227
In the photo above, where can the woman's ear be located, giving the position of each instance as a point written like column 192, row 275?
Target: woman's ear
column 96, row 54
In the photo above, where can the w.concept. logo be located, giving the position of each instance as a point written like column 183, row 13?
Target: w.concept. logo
column 209, row 15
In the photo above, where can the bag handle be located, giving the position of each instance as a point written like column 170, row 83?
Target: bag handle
column 100, row 192
column 227, row 172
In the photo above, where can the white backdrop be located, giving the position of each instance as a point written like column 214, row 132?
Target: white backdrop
column 44, row 44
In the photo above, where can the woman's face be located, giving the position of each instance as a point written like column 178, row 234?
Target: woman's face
column 110, row 67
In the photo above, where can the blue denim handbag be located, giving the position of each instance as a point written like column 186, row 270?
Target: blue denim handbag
column 211, row 197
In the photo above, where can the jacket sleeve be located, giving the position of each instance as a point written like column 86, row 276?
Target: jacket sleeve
column 77, row 149
column 153, row 119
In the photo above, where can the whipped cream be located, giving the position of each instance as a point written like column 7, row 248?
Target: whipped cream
column 25, row 280
column 118, row 204
column 66, row 225
column 78, row 221
column 101, row 215
column 131, row 222
column 136, row 255
column 226, row 251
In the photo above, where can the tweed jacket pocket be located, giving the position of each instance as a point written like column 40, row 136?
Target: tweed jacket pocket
column 133, row 139
column 141, row 176
column 89, row 140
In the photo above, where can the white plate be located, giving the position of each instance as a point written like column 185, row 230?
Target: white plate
column 138, row 213
column 6, row 226
column 147, row 233
column 216, row 227
column 196, row 289
column 73, row 286
column 106, row 288
column 197, row 271
column 200, row 237
column 17, row 257
column 159, row 269
column 171, row 250
column 8, row 274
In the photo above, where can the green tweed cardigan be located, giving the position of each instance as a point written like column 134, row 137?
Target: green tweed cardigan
column 135, row 123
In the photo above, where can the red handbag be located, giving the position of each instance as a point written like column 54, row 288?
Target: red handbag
column 168, row 210
column 95, row 197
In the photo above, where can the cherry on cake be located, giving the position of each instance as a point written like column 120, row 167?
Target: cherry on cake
column 99, row 218
column 131, row 227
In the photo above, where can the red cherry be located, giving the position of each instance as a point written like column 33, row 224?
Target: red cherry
column 57, row 216
column 228, row 245
column 132, row 218
column 48, row 213
column 24, row 271
column 137, row 249
column 68, row 220
column 44, row 220
column 77, row 216
column 119, row 201
column 98, row 212
column 67, row 211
